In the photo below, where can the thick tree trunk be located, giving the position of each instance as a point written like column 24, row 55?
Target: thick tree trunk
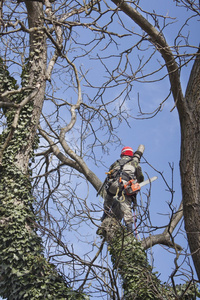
column 35, row 72
column 128, row 256
column 24, row 271
column 190, row 162
column 130, row 260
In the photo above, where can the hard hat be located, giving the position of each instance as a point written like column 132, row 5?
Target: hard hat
column 127, row 151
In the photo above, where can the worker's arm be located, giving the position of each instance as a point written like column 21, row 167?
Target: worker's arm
column 139, row 174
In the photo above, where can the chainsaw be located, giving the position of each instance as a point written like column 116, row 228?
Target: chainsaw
column 132, row 186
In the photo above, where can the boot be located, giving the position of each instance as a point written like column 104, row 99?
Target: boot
column 104, row 216
column 129, row 227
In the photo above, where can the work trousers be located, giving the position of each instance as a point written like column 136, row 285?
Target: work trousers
column 121, row 208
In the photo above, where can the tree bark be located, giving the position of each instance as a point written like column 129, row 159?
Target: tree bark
column 36, row 69
column 190, row 162
column 24, row 271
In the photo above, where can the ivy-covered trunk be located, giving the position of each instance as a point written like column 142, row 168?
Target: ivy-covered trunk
column 24, row 271
column 130, row 261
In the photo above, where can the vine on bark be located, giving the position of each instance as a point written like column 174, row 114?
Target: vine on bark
column 129, row 259
column 24, row 271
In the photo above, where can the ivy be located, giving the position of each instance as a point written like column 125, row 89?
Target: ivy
column 129, row 259
column 24, row 271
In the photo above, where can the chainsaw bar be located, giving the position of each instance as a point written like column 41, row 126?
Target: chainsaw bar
column 145, row 182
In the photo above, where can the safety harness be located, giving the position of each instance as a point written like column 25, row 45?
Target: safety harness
column 125, row 184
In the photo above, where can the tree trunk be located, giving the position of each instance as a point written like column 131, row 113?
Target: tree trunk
column 35, row 76
column 24, row 271
column 190, row 162
column 129, row 259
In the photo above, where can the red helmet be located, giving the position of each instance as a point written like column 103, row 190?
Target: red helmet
column 127, row 151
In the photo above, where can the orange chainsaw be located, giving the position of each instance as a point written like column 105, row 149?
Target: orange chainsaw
column 132, row 186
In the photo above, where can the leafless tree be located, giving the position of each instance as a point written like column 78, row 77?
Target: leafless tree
column 68, row 69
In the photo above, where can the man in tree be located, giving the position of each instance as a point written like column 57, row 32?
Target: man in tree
column 120, row 186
